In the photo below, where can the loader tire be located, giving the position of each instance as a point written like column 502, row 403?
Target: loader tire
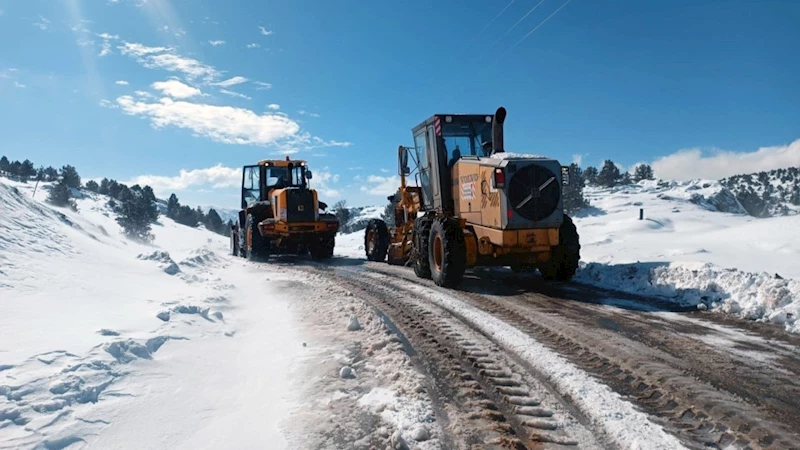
column 447, row 252
column 255, row 247
column 376, row 240
column 235, row 242
column 566, row 255
column 422, row 231
column 323, row 249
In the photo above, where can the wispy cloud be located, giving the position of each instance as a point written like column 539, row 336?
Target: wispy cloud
column 105, row 47
column 262, row 86
column 309, row 114
column 165, row 58
column 176, row 89
column 217, row 43
column 379, row 185
column 235, row 94
column 253, row 45
column 218, row 176
column 691, row 163
column 274, row 106
column 121, row 82
column 577, row 159
column 264, row 31
column 323, row 181
column 43, row 23
column 19, row 85
column 232, row 81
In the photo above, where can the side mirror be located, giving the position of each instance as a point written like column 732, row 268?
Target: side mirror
column 404, row 170
column 308, row 174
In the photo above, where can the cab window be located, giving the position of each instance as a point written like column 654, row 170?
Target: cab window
column 251, row 185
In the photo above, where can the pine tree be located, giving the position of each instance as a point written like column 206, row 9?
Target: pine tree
column 173, row 205
column 590, row 175
column 152, row 206
column 5, row 165
column 572, row 194
column 186, row 216
column 114, row 189
column 41, row 175
column 226, row 230
column 15, row 169
column 625, row 179
column 214, row 221
column 342, row 213
column 70, row 176
column 60, row 195
column 609, row 175
column 104, row 184
column 134, row 215
column 51, row 173
column 92, row 186
column 27, row 169
column 642, row 172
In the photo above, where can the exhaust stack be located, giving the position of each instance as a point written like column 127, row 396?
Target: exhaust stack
column 497, row 130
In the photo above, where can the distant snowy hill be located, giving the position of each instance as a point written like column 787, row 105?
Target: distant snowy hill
column 764, row 194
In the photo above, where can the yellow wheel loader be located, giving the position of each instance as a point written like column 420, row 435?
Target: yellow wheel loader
column 475, row 205
column 281, row 214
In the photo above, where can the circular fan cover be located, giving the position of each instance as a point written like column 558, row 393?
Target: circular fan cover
column 533, row 192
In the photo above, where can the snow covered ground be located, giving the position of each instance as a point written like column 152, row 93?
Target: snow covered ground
column 695, row 246
column 104, row 338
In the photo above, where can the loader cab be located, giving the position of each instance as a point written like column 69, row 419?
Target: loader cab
column 258, row 180
column 440, row 142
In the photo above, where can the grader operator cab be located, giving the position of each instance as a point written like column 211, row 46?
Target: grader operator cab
column 475, row 205
column 280, row 214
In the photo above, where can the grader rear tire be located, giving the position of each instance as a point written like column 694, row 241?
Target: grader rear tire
column 448, row 252
column 566, row 255
column 376, row 240
column 256, row 248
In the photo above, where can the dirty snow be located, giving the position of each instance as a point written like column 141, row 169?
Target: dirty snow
column 104, row 337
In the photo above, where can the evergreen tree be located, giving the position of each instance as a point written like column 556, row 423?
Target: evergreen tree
column 590, row 175
column 27, row 169
column 609, row 175
column 152, row 205
column 573, row 193
column 226, row 230
column 51, row 174
column 15, row 169
column 642, row 172
column 60, row 195
column 214, row 221
column 124, row 193
column 114, row 189
column 71, row 177
column 135, row 216
column 104, row 184
column 40, row 174
column 173, row 205
column 625, row 179
column 186, row 216
column 5, row 164
column 92, row 186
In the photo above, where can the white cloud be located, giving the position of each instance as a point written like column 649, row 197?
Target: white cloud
column 381, row 185
column 166, row 59
column 105, row 49
column 217, row 43
column 217, row 177
column 43, row 23
column 176, row 89
column 121, row 82
column 577, row 159
column 306, row 113
column 143, row 94
column 264, row 31
column 690, row 163
column 322, row 183
column 274, row 106
column 253, row 45
column 385, row 170
column 234, row 94
column 224, row 124
column 85, row 42
column 232, row 81
column 19, row 85
column 263, row 86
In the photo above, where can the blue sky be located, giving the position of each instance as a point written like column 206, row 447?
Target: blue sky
column 180, row 94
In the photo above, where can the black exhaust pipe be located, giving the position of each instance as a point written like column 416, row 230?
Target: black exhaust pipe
column 497, row 130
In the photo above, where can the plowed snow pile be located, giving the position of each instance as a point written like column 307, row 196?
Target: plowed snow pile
column 695, row 246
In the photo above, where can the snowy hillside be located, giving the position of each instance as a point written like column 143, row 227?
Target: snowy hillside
column 764, row 194
column 103, row 337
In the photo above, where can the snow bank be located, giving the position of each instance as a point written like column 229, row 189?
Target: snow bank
column 350, row 245
column 754, row 296
column 509, row 155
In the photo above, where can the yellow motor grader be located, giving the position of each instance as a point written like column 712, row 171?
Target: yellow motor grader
column 281, row 214
column 475, row 205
